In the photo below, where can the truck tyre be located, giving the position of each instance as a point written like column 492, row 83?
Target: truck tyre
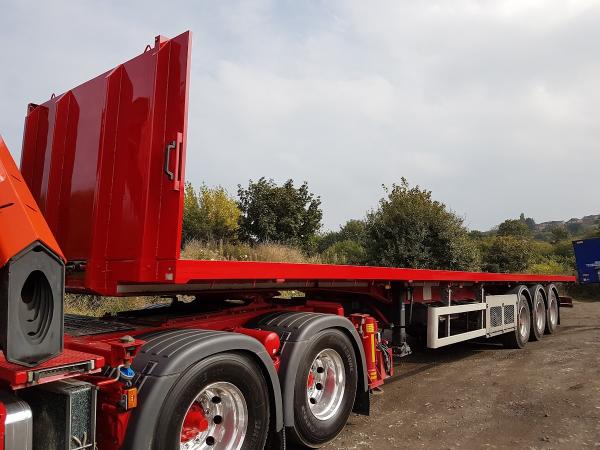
column 538, row 313
column 220, row 403
column 552, row 312
column 519, row 337
column 325, row 388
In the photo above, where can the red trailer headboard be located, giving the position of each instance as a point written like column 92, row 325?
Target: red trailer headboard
column 105, row 162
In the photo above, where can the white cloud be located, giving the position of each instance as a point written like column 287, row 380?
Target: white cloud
column 491, row 104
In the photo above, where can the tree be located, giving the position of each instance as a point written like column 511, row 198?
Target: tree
column 353, row 230
column 345, row 252
column 191, row 215
column 476, row 235
column 219, row 214
column 410, row 229
column 209, row 215
column 283, row 214
column 575, row 228
column 564, row 249
column 512, row 227
column 528, row 221
column 592, row 232
column 507, row 254
column 558, row 233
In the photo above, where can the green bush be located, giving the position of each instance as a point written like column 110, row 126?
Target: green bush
column 514, row 227
column 209, row 214
column 283, row 214
column 550, row 267
column 353, row 230
column 507, row 254
column 410, row 229
column 345, row 252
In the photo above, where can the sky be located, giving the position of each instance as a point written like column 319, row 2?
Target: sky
column 494, row 106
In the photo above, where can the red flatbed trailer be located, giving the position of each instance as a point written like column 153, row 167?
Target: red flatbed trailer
column 239, row 366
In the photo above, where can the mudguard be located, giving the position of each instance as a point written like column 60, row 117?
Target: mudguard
column 295, row 330
column 166, row 355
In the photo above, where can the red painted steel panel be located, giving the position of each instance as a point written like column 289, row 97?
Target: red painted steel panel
column 21, row 222
column 17, row 376
column 94, row 158
column 190, row 271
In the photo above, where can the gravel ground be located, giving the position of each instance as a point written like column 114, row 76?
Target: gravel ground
column 480, row 395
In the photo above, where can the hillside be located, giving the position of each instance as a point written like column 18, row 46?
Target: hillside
column 574, row 225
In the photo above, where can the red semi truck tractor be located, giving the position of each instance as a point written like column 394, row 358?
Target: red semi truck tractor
column 227, row 362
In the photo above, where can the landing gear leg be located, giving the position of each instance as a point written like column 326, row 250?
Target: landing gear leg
column 399, row 344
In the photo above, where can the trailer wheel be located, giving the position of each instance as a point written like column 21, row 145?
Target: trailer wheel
column 552, row 312
column 538, row 313
column 220, row 403
column 519, row 337
column 325, row 388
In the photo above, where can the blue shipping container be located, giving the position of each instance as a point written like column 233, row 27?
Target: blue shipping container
column 587, row 256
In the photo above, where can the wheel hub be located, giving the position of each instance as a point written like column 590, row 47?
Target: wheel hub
column 217, row 419
column 553, row 307
column 326, row 384
column 523, row 322
column 195, row 423
column 539, row 315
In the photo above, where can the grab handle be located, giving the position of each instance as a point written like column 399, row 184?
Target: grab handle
column 174, row 175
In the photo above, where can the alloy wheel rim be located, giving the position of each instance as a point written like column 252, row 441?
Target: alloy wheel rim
column 217, row 419
column 523, row 322
column 540, row 315
column 553, row 308
column 325, row 385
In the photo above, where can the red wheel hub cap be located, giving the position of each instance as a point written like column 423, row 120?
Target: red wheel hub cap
column 194, row 423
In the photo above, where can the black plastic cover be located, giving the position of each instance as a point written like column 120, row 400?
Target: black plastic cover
column 31, row 306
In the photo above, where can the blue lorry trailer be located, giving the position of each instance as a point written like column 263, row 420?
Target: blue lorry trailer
column 587, row 257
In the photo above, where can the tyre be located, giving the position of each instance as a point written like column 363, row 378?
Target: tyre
column 324, row 389
column 221, row 403
column 519, row 337
column 538, row 312
column 552, row 311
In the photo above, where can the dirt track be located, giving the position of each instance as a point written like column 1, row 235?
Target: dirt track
column 484, row 396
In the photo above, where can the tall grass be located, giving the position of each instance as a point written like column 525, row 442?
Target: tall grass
column 96, row 306
column 215, row 251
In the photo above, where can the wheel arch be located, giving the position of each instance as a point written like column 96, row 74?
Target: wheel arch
column 296, row 330
column 168, row 354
